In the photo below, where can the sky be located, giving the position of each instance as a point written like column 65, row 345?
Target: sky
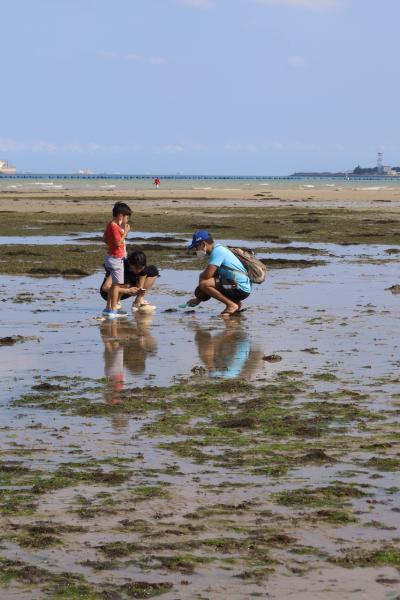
column 238, row 87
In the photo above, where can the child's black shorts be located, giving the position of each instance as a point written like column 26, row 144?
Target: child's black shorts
column 131, row 279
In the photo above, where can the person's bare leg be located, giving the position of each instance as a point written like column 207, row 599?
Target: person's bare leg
column 109, row 301
column 208, row 287
column 147, row 284
column 113, row 297
column 107, row 285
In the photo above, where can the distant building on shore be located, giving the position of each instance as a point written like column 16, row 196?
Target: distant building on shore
column 380, row 170
column 385, row 169
column 6, row 169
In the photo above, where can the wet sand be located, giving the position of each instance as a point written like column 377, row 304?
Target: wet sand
column 355, row 196
column 179, row 456
column 166, row 455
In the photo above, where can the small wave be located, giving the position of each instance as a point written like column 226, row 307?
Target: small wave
column 372, row 188
column 202, row 188
column 49, row 184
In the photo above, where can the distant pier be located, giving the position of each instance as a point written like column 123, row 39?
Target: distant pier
column 107, row 176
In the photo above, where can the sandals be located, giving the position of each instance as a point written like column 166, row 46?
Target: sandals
column 233, row 313
column 143, row 306
column 229, row 313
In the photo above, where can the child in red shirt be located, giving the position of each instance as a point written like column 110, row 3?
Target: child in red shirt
column 114, row 236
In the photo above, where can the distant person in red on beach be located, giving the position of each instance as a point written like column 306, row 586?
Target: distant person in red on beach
column 114, row 236
column 157, row 182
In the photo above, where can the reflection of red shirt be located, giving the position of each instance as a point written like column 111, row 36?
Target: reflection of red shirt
column 112, row 236
column 118, row 382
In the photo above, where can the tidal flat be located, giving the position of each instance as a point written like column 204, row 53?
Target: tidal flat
column 164, row 456
column 343, row 224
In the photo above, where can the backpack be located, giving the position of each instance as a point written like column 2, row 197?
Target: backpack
column 256, row 270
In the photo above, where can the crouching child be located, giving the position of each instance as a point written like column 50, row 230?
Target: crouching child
column 138, row 279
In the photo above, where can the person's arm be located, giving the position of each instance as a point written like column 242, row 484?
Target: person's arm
column 141, row 280
column 115, row 234
column 193, row 302
column 208, row 272
column 124, row 235
column 215, row 261
column 131, row 291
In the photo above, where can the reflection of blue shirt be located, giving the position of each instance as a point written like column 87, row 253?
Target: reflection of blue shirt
column 236, row 362
column 222, row 257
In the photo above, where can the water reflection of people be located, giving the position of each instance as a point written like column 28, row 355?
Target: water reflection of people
column 113, row 359
column 140, row 345
column 126, row 346
column 228, row 352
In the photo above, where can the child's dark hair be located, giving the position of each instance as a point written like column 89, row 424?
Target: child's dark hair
column 120, row 208
column 137, row 258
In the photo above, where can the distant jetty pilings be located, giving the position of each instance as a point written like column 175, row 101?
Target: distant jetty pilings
column 110, row 176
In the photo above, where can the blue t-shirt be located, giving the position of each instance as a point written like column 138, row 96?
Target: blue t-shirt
column 222, row 257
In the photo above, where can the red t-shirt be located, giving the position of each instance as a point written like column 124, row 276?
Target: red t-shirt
column 112, row 236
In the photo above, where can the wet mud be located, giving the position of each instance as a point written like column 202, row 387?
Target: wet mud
column 173, row 455
column 282, row 222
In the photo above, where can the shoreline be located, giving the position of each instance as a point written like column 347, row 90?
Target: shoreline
column 280, row 216
column 83, row 201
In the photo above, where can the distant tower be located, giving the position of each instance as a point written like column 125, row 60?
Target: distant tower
column 379, row 162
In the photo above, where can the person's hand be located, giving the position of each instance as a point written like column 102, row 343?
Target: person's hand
column 127, row 228
column 133, row 291
column 193, row 302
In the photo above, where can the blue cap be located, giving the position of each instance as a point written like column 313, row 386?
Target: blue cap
column 201, row 235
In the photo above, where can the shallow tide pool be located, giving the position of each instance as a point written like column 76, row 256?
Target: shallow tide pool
column 284, row 489
column 341, row 311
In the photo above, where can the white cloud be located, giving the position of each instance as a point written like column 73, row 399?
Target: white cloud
column 231, row 147
column 78, row 147
column 137, row 58
column 307, row 4
column 196, row 3
column 47, row 147
column 149, row 60
column 170, row 149
column 9, row 145
column 108, row 55
column 297, row 62
column 91, row 148
column 238, row 148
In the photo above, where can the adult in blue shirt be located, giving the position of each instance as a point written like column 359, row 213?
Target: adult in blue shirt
column 225, row 278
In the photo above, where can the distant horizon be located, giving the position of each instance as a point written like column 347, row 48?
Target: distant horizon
column 181, row 173
column 80, row 171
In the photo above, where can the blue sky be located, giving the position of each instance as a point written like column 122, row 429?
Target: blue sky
column 199, row 86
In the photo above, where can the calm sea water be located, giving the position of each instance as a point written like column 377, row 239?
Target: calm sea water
column 141, row 183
